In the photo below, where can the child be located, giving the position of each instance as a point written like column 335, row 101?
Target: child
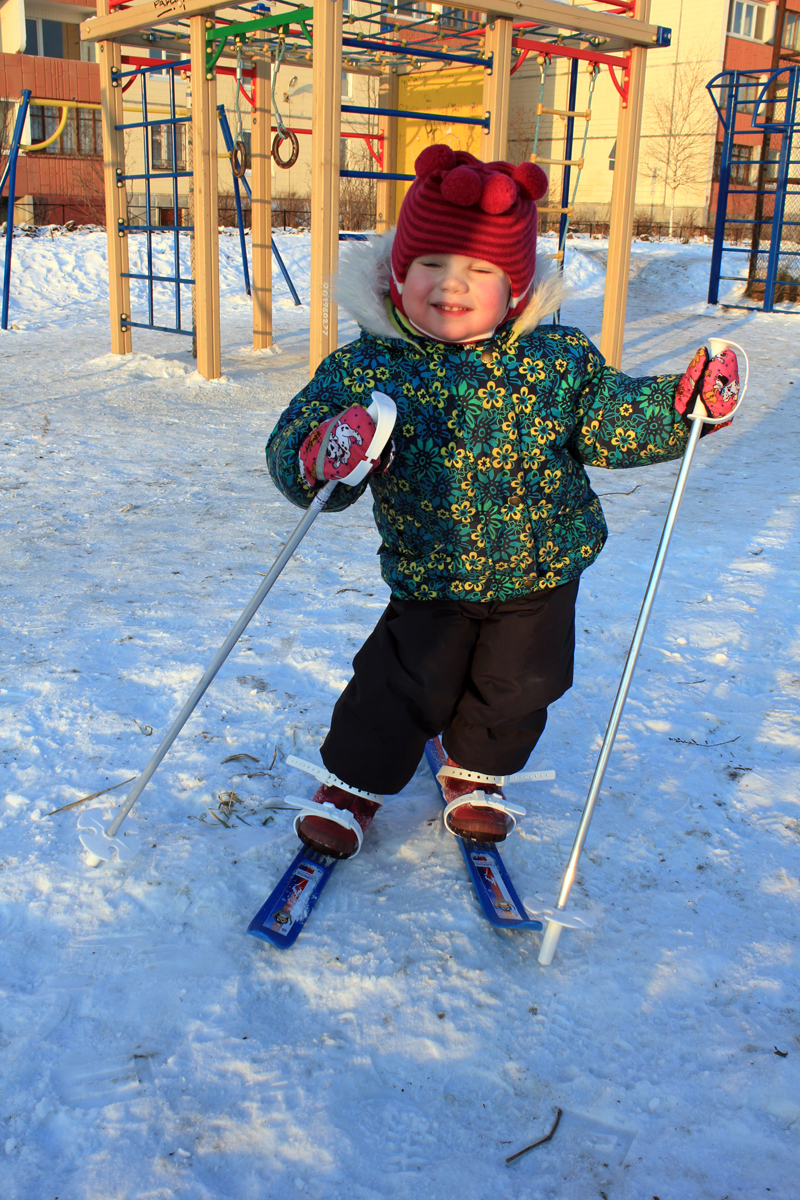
column 486, row 514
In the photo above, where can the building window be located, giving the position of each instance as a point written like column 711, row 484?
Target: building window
column 82, row 135
column 741, row 163
column 161, row 147
column 791, row 29
column 748, row 20
column 612, row 157
column 44, row 38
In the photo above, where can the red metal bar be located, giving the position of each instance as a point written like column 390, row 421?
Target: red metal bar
column 520, row 61
column 166, row 64
column 554, row 51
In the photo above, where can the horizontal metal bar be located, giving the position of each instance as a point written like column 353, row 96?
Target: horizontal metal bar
column 409, row 52
column 165, row 121
column 278, row 19
column 484, row 122
column 158, row 328
column 156, row 278
column 375, row 175
column 157, row 228
column 164, row 175
column 163, row 64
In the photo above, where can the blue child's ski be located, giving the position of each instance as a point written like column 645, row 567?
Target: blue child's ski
column 282, row 918
column 496, row 893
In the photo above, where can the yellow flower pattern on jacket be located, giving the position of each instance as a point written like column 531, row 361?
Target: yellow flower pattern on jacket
column 487, row 497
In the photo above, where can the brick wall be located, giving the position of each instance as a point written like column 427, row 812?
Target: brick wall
column 63, row 188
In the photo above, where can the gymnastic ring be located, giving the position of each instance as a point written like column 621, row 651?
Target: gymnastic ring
column 277, row 141
column 239, row 159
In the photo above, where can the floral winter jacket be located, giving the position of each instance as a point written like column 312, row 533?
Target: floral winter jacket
column 487, row 497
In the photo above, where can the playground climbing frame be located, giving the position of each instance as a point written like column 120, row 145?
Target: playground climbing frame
column 379, row 41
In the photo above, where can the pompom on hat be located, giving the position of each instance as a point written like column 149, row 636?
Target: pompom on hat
column 460, row 205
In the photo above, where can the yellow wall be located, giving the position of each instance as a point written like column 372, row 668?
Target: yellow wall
column 454, row 93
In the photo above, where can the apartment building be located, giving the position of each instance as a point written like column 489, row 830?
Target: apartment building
column 681, row 136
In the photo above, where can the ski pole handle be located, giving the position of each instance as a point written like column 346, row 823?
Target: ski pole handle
column 293, row 541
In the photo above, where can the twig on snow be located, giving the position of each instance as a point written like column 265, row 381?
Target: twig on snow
column 93, row 796
column 630, row 493
column 704, row 745
column 540, row 1142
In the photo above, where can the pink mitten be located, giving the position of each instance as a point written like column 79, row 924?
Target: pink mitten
column 715, row 381
column 337, row 446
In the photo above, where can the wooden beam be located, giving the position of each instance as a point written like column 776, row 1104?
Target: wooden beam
column 388, row 97
column 261, row 207
column 550, row 13
column 569, row 18
column 143, row 16
column 326, row 121
column 623, row 199
column 496, row 89
column 206, row 217
column 119, row 290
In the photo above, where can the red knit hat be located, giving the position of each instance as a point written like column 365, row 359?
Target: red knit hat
column 459, row 205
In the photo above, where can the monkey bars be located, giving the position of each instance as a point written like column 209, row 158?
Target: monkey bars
column 379, row 43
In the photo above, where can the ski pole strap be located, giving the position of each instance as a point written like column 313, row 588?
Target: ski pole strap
column 340, row 816
column 448, row 772
column 330, row 780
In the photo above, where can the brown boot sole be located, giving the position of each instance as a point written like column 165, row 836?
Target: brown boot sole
column 326, row 837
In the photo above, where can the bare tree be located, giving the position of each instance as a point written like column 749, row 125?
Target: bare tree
column 681, row 115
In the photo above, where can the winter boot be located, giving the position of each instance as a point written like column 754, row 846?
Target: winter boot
column 480, row 823
column 329, row 837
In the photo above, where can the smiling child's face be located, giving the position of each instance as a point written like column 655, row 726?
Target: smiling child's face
column 454, row 298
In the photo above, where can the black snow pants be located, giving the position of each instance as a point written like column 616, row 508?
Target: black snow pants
column 481, row 674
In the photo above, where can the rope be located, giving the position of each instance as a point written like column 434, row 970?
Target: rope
column 544, row 66
column 594, row 71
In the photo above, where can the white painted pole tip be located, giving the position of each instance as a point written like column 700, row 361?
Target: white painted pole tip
column 92, row 860
column 549, row 943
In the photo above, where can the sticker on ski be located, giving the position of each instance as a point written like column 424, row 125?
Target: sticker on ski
column 496, row 893
column 281, row 919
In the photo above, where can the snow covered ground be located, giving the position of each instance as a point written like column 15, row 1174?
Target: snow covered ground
column 403, row 1048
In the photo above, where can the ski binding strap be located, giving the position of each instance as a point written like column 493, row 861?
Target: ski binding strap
column 499, row 780
column 331, row 780
column 481, row 800
column 340, row 816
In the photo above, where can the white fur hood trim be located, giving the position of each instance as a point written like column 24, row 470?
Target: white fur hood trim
column 363, row 285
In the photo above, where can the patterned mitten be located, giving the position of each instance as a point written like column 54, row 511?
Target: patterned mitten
column 336, row 447
column 715, row 381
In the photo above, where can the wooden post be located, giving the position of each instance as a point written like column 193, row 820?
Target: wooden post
column 388, row 97
column 109, row 57
column 261, row 207
column 206, row 217
column 623, row 199
column 496, row 88
column 326, row 123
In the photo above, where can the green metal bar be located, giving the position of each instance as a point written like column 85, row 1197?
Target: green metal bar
column 271, row 22
column 217, row 55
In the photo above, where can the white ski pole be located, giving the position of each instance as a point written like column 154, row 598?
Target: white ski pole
column 699, row 418
column 99, row 842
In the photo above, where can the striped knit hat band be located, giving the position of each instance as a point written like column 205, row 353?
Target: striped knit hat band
column 459, row 205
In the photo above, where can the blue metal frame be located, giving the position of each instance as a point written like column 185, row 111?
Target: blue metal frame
column 175, row 279
column 10, row 174
column 735, row 89
column 228, row 139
